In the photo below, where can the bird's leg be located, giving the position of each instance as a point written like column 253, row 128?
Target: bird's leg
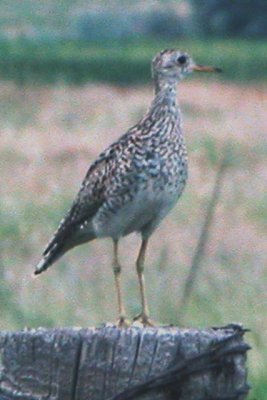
column 144, row 316
column 122, row 321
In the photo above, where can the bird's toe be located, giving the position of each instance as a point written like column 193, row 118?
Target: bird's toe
column 123, row 322
column 144, row 320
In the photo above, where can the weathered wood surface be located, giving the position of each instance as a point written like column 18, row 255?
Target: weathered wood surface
column 119, row 364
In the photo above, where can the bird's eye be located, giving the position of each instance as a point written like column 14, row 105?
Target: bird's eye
column 181, row 59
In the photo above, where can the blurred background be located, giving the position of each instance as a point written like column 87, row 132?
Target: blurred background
column 75, row 75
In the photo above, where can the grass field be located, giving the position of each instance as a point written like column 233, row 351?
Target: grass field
column 71, row 62
column 49, row 135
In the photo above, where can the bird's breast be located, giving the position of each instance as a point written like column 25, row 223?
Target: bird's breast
column 162, row 169
column 146, row 191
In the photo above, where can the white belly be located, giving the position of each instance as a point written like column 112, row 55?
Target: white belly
column 147, row 208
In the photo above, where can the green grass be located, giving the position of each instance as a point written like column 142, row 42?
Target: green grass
column 78, row 62
column 258, row 388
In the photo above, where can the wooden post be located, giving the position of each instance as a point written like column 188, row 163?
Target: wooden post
column 119, row 364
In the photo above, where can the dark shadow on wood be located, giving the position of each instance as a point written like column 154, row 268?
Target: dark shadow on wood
column 215, row 359
column 123, row 364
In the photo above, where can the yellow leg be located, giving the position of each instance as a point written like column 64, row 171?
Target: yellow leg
column 144, row 316
column 122, row 321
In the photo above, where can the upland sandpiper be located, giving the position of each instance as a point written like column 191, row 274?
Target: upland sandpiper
column 135, row 182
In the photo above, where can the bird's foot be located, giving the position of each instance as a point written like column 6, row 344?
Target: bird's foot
column 123, row 322
column 144, row 320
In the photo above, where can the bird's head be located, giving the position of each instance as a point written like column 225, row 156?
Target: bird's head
column 175, row 65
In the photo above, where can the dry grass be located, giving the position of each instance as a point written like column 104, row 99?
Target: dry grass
column 48, row 138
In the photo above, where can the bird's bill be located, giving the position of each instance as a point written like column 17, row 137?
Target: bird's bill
column 203, row 68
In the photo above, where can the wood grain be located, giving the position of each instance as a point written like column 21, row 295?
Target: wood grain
column 116, row 364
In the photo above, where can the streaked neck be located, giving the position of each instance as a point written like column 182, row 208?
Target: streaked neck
column 165, row 94
column 165, row 83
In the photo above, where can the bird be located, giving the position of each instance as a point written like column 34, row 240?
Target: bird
column 135, row 182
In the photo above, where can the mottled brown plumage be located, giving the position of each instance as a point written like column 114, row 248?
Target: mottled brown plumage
column 135, row 182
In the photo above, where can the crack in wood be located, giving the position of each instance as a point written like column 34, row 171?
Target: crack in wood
column 110, row 360
column 152, row 358
column 207, row 360
column 110, row 363
column 138, row 345
column 76, row 369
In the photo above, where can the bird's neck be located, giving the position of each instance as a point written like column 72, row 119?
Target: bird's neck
column 165, row 97
column 165, row 84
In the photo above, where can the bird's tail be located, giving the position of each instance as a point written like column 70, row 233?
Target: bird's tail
column 57, row 248
column 48, row 259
